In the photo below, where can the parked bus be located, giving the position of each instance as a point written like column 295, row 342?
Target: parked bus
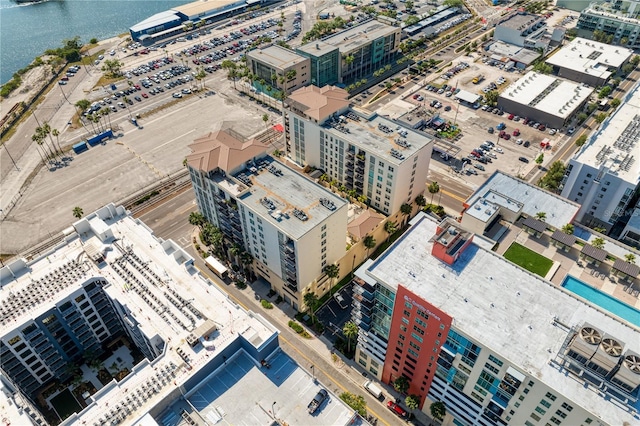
column 216, row 267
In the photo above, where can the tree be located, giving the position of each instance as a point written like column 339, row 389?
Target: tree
column 406, row 210
column 433, row 189
column 421, row 201
column 332, row 271
column 401, row 384
column 600, row 117
column 491, row 97
column 77, row 212
column 369, row 242
column 539, row 159
column 356, row 402
column 38, row 140
column 630, row 258
column 409, row 4
column 197, row 219
column 598, row 242
column 390, row 227
column 615, row 102
column 568, row 229
column 541, row 216
column 412, row 402
column 265, row 118
column 112, row 67
column 581, row 117
column 581, row 140
column 350, row 330
column 311, row 300
column 438, row 410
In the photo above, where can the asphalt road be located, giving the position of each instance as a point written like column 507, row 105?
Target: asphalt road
column 170, row 220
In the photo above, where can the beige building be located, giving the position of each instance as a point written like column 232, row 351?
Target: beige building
column 278, row 68
column 291, row 226
column 377, row 158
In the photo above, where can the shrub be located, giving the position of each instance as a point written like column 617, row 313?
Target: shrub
column 296, row 327
column 266, row 304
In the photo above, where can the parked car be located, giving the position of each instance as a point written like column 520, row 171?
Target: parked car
column 490, row 130
column 516, row 132
column 398, row 410
column 479, row 166
column 524, row 159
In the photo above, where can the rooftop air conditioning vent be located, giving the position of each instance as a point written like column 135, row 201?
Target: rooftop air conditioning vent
column 590, row 335
column 633, row 363
column 611, row 347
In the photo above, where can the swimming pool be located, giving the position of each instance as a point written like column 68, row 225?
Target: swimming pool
column 603, row 300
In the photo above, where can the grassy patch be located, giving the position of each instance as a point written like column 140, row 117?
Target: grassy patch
column 528, row 259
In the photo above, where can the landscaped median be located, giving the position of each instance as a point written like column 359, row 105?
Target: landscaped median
column 528, row 259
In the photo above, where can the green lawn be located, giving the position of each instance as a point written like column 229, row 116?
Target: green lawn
column 528, row 259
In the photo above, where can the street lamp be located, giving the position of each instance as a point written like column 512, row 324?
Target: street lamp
column 273, row 410
column 313, row 373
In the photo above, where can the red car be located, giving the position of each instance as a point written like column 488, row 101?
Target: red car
column 510, row 116
column 398, row 410
column 137, row 86
column 516, row 132
column 144, row 95
column 507, row 136
column 542, row 128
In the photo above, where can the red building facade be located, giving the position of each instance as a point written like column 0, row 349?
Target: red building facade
column 418, row 331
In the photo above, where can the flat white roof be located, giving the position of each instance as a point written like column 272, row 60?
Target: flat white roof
column 277, row 56
column 482, row 210
column 176, row 278
column 508, row 309
column 615, row 144
column 547, row 93
column 501, row 187
column 590, row 57
column 156, row 20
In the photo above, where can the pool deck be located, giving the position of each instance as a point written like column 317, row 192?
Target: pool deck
column 569, row 263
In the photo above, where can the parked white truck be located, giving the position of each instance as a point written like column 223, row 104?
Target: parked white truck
column 373, row 389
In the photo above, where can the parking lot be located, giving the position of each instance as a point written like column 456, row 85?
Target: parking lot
column 335, row 313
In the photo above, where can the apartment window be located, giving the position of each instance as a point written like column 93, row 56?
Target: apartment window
column 401, row 336
column 541, row 410
column 588, row 421
column 495, row 360
column 391, row 169
column 418, row 338
column 324, row 227
column 530, row 384
column 561, row 414
column 404, row 320
column 535, row 417
column 517, row 404
column 413, row 345
column 422, row 323
column 588, row 175
column 526, row 391
column 403, row 328
column 381, row 164
column 418, row 329
column 406, row 313
column 555, row 420
column 545, row 403
column 585, row 181
column 567, row 406
column 400, row 344
column 604, row 190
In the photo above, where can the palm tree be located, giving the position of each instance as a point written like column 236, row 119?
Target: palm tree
column 38, row 141
column 421, row 201
column 598, row 243
column 438, row 410
column 265, row 118
column 311, row 300
column 401, row 384
column 77, row 212
column 350, row 330
column 56, row 133
column 541, row 216
column 41, row 131
column 406, row 210
column 332, row 271
column 197, row 219
column 247, row 260
column 412, row 402
column 235, row 250
column 568, row 229
column 390, row 227
column 630, row 258
column 369, row 242
column 46, row 130
column 433, row 188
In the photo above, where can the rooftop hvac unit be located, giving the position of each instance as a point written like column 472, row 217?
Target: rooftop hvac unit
column 590, row 335
column 611, row 347
column 632, row 362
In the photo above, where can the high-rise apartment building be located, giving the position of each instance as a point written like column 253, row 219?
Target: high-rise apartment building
column 618, row 19
column 497, row 344
column 377, row 157
column 603, row 175
column 291, row 226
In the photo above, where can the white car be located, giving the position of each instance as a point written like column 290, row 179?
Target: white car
column 552, row 131
column 498, row 149
column 177, row 95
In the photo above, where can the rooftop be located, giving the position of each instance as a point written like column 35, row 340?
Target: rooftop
column 547, row 93
column 482, row 210
column 615, row 144
column 590, row 57
column 520, row 21
column 156, row 20
column 360, row 35
column 530, row 198
column 316, row 48
column 223, row 149
column 277, row 56
column 378, row 135
column 290, row 201
column 508, row 309
column 318, row 102
column 202, row 7
column 164, row 294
